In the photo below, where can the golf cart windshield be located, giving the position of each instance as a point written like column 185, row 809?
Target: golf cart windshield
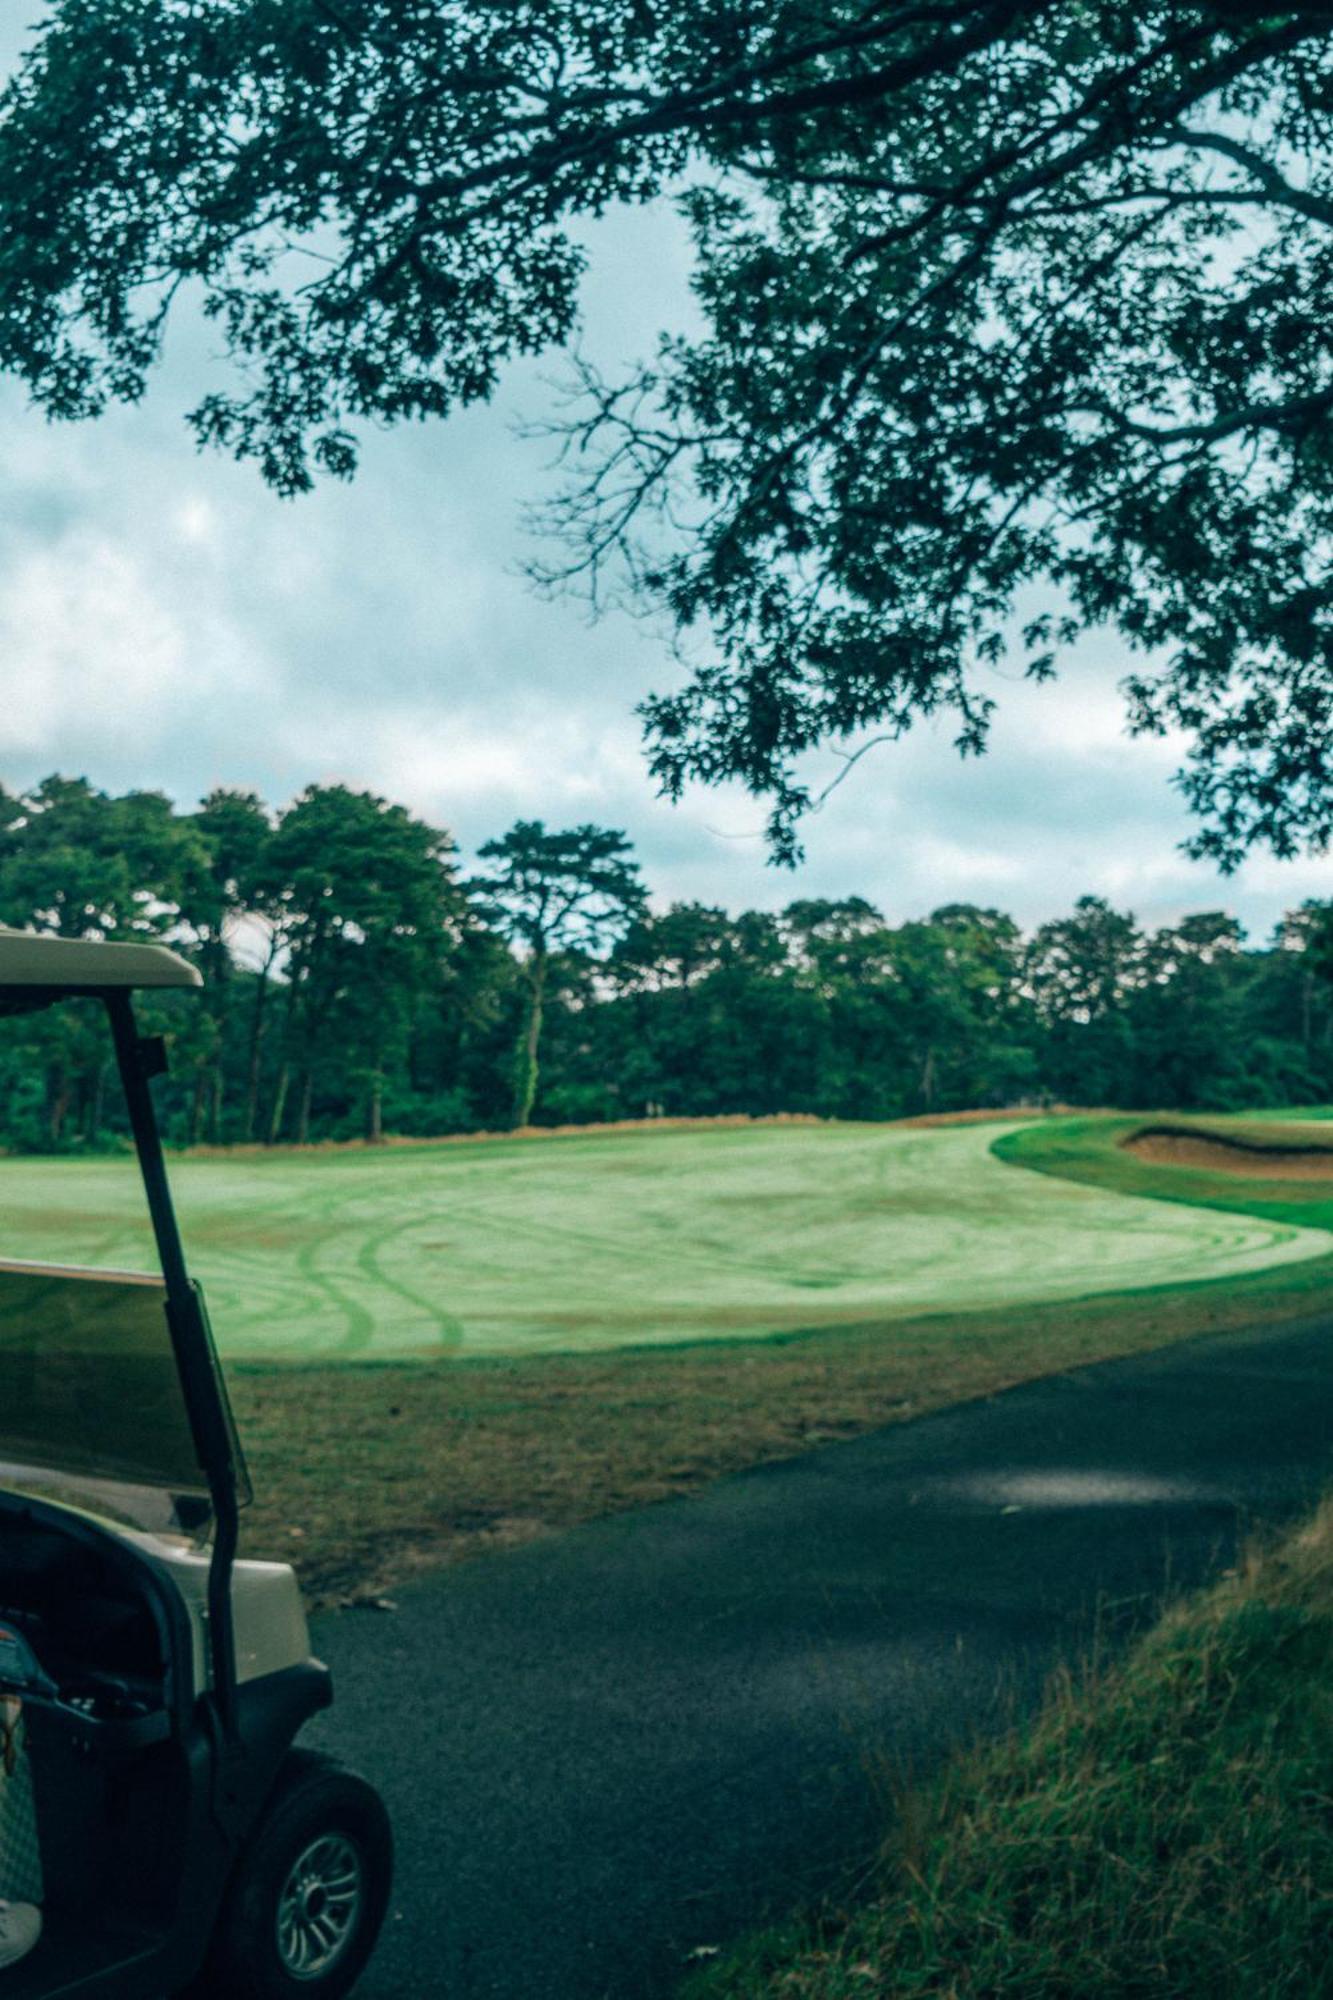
column 91, row 1405
column 110, row 1394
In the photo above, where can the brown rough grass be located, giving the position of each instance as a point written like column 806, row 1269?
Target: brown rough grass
column 723, row 1122
column 365, row 1475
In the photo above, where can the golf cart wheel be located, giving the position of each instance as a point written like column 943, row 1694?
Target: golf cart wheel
column 310, row 1892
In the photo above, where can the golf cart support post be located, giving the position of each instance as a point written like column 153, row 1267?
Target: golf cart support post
column 141, row 1057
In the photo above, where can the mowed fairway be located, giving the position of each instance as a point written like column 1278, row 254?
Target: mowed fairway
column 514, row 1247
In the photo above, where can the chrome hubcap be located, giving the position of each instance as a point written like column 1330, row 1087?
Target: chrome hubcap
column 320, row 1906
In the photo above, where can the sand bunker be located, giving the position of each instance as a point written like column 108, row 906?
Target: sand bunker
column 1221, row 1152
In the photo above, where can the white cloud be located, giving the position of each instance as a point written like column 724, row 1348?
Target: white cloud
column 164, row 620
column 196, row 521
column 440, row 759
column 90, row 650
column 968, row 870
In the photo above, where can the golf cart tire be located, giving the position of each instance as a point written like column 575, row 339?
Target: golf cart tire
column 317, row 1807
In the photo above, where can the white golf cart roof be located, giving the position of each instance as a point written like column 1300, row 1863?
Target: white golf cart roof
column 27, row 958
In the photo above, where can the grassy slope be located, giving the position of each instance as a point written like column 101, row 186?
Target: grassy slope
column 642, row 1238
column 405, row 1464
column 369, row 1469
column 1165, row 1830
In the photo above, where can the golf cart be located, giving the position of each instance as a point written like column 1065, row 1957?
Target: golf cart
column 185, row 1846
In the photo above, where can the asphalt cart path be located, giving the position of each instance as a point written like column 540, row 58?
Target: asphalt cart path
column 607, row 1750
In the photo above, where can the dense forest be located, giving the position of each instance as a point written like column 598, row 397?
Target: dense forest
column 359, row 983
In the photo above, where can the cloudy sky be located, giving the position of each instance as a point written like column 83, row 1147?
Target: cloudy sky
column 166, row 621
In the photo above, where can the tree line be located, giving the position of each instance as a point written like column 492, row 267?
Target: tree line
column 358, row 982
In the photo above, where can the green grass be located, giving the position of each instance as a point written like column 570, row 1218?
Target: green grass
column 631, row 1315
column 1165, row 1830
column 592, row 1242
column 403, row 1463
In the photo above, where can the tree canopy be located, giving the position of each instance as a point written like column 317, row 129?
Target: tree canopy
column 367, row 902
column 1016, row 324
column 572, row 891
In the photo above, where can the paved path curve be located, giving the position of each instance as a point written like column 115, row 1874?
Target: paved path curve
column 605, row 1750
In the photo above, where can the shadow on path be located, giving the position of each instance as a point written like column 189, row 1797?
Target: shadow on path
column 642, row 1736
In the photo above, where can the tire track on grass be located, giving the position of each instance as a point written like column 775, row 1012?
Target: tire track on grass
column 449, row 1328
column 359, row 1322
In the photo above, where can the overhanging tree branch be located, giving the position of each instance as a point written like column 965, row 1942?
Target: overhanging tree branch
column 997, row 299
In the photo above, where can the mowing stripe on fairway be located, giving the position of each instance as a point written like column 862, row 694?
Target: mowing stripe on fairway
column 626, row 1239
